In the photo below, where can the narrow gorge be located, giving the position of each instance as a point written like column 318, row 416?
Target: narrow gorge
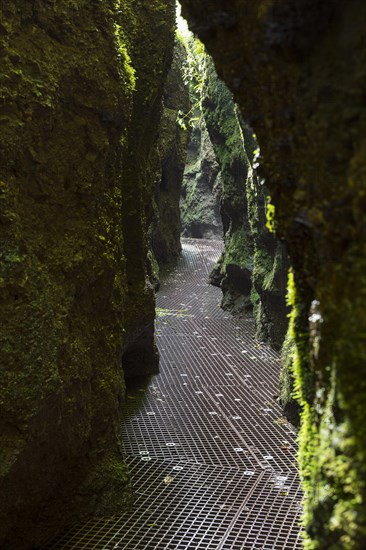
column 125, row 136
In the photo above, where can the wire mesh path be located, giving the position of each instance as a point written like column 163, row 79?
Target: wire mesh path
column 212, row 459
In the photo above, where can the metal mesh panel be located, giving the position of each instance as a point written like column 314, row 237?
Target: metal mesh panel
column 212, row 460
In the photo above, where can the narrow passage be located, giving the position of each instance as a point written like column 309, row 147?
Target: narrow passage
column 212, row 459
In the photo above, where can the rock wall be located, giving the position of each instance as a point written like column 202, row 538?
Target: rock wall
column 252, row 270
column 150, row 39
column 201, row 191
column 270, row 259
column 76, row 130
column 200, row 198
column 298, row 72
column 171, row 158
column 234, row 270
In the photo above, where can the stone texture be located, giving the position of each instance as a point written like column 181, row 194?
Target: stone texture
column 201, row 192
column 150, row 37
column 72, row 272
column 298, row 71
column 252, row 271
column 270, row 260
column 171, row 158
column 234, row 269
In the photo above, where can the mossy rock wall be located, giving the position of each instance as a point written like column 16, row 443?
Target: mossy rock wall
column 171, row 158
column 234, row 270
column 270, row 259
column 201, row 191
column 298, row 72
column 69, row 286
column 252, row 270
column 150, row 37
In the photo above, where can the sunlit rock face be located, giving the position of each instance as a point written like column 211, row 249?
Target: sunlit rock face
column 297, row 69
column 252, row 270
column 234, row 270
column 73, row 250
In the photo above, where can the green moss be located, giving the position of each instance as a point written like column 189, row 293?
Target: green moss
column 171, row 156
column 69, row 80
column 248, row 244
column 237, row 250
column 337, row 463
column 226, row 136
column 298, row 344
column 332, row 459
column 270, row 215
column 128, row 69
column 290, row 361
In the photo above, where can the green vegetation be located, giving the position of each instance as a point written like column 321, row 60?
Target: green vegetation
column 270, row 215
column 223, row 126
column 82, row 89
column 193, row 70
column 253, row 268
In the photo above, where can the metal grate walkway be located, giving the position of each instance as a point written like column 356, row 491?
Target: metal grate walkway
column 212, row 459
